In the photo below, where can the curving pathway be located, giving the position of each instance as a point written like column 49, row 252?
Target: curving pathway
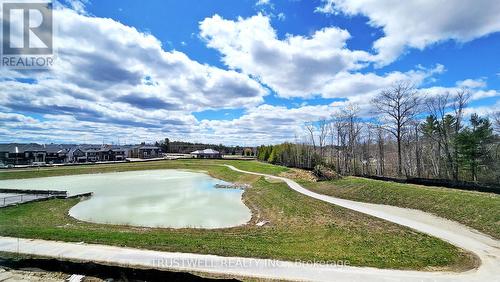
column 486, row 248
column 483, row 246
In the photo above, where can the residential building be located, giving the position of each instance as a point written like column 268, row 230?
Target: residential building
column 145, row 152
column 22, row 154
column 207, row 154
column 33, row 154
column 57, row 153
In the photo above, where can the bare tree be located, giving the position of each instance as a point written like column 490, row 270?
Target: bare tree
column 448, row 111
column 418, row 149
column 367, row 154
column 339, row 126
column 353, row 127
column 400, row 105
column 381, row 151
column 310, row 129
column 437, row 107
column 459, row 103
column 333, row 135
column 323, row 133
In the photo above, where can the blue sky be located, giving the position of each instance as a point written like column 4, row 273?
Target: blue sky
column 243, row 72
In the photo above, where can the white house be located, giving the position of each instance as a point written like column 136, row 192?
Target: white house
column 207, row 154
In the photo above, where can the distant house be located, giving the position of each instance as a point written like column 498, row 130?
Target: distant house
column 77, row 155
column 120, row 153
column 56, row 153
column 36, row 154
column 147, row 152
column 22, row 154
column 101, row 153
column 144, row 152
column 92, row 153
column 207, row 154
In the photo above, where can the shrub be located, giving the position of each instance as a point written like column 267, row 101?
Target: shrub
column 325, row 173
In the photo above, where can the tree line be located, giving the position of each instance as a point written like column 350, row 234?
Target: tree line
column 410, row 136
column 181, row 147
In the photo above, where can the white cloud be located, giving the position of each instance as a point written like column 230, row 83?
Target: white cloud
column 476, row 93
column 481, row 94
column 113, row 82
column 263, row 2
column 265, row 124
column 299, row 66
column 296, row 66
column 68, row 129
column 269, row 124
column 111, row 75
column 420, row 23
column 77, row 5
column 12, row 117
column 472, row 83
column 483, row 111
column 356, row 85
column 99, row 53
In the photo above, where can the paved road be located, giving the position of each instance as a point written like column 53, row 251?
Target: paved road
column 486, row 248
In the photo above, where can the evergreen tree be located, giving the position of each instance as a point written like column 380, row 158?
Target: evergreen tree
column 472, row 144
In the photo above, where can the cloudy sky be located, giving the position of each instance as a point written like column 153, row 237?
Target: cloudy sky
column 243, row 72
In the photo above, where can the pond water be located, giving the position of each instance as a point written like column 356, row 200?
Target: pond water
column 152, row 198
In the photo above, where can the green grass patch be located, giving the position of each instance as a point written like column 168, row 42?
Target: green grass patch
column 301, row 228
column 196, row 164
column 475, row 209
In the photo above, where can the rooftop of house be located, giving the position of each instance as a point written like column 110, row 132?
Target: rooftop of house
column 19, row 148
column 206, row 152
column 148, row 147
column 16, row 148
column 57, row 148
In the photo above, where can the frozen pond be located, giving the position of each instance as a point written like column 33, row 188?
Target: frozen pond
column 150, row 198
